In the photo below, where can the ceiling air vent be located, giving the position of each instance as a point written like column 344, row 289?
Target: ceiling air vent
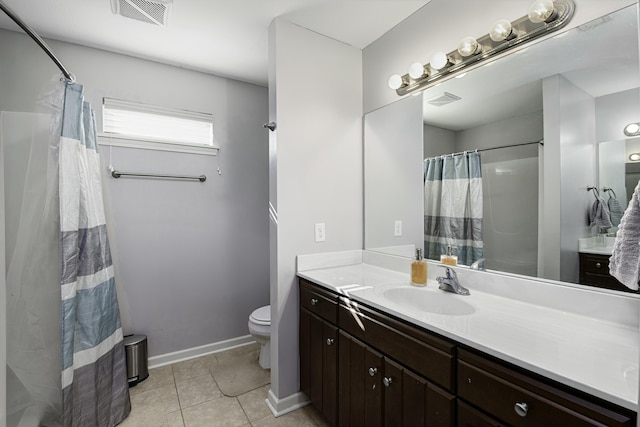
column 152, row 12
column 443, row 99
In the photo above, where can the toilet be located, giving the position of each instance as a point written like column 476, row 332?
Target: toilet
column 260, row 330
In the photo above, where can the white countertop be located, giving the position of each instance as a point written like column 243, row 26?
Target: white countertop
column 594, row 355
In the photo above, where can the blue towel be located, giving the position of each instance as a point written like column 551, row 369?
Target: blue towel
column 599, row 214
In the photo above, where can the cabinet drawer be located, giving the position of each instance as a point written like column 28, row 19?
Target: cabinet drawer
column 520, row 400
column 425, row 354
column 319, row 301
column 596, row 264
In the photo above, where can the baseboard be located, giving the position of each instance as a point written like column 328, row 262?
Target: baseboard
column 283, row 406
column 203, row 350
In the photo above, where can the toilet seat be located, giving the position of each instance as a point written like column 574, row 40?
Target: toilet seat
column 261, row 316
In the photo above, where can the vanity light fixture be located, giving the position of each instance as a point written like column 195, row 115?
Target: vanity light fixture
column 439, row 60
column 542, row 11
column 632, row 129
column 544, row 17
column 634, row 157
column 502, row 30
column 469, row 46
column 417, row 70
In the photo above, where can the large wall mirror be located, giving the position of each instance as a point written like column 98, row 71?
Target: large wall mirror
column 544, row 123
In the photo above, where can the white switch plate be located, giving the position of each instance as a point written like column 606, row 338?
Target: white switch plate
column 397, row 228
column 320, row 234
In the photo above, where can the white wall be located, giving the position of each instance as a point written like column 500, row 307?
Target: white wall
column 438, row 141
column 614, row 112
column 570, row 167
column 393, row 168
column 438, row 26
column 315, row 93
column 192, row 259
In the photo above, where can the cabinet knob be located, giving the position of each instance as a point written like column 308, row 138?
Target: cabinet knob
column 329, row 341
column 314, row 301
column 386, row 381
column 373, row 371
column 521, row 409
column 598, row 265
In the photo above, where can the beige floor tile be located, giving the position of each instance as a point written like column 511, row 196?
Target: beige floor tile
column 240, row 375
column 151, row 416
column 158, row 377
column 197, row 390
column 223, row 412
column 297, row 418
column 164, row 399
column 249, row 348
column 174, row 419
column 192, row 368
column 254, row 404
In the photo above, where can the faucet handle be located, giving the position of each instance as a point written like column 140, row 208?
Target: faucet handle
column 450, row 272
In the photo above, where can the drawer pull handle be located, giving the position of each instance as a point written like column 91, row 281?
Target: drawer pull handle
column 373, row 371
column 469, row 380
column 314, row 301
column 329, row 341
column 598, row 265
column 386, row 381
column 521, row 409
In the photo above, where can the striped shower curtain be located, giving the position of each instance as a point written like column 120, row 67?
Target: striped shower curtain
column 94, row 374
column 453, row 207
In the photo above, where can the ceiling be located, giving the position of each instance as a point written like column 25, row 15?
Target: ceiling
column 222, row 37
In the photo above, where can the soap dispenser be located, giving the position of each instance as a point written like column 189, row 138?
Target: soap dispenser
column 449, row 258
column 419, row 270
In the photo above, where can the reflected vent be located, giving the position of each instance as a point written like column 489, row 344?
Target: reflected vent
column 443, row 99
column 152, row 12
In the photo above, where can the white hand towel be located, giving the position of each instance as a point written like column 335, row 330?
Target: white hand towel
column 624, row 263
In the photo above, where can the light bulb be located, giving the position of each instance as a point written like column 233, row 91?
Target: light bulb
column 501, row 30
column 439, row 60
column 469, row 46
column 416, row 70
column 632, row 129
column 541, row 11
column 634, row 157
column 395, row 82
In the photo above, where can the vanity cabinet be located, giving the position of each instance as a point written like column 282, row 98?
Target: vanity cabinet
column 517, row 399
column 362, row 367
column 594, row 271
column 318, row 337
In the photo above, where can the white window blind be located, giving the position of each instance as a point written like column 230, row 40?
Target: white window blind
column 140, row 122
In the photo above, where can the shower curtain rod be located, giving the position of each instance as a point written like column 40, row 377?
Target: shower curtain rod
column 488, row 149
column 15, row 18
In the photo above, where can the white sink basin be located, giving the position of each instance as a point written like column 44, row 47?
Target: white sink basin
column 432, row 302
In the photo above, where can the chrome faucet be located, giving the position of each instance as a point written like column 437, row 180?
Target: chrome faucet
column 450, row 282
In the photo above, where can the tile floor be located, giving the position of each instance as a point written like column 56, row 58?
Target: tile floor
column 185, row 394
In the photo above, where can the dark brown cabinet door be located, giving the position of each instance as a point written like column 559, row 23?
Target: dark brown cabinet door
column 470, row 417
column 318, row 363
column 409, row 400
column 359, row 383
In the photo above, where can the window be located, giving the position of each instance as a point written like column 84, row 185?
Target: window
column 143, row 126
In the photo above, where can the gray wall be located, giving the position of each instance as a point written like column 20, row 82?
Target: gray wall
column 192, row 259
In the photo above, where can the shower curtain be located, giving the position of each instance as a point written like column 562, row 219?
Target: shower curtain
column 453, row 207
column 94, row 376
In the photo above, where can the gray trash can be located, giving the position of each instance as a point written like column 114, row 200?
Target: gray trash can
column 135, row 348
